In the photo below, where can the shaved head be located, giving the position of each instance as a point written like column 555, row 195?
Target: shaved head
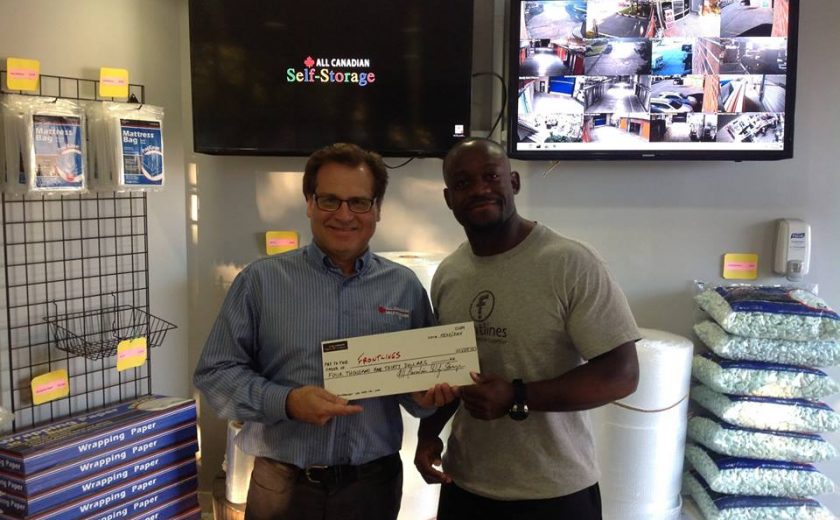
column 490, row 149
column 480, row 185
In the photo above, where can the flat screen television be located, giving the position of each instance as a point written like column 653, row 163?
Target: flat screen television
column 285, row 77
column 652, row 79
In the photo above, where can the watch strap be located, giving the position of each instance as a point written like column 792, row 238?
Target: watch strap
column 519, row 410
column 518, row 392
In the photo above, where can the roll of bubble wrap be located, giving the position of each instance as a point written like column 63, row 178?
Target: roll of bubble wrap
column 640, row 439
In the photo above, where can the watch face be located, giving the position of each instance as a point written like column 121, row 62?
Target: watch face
column 518, row 412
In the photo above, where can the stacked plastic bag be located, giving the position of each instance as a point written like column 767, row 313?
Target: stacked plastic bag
column 757, row 433
column 42, row 145
column 127, row 146
column 60, row 146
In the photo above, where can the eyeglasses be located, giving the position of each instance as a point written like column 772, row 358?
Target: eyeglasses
column 355, row 204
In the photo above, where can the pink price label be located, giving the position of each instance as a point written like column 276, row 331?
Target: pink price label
column 113, row 81
column 131, row 353
column 741, row 266
column 276, row 242
column 49, row 387
column 22, row 74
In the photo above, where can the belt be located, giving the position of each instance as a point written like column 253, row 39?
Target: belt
column 344, row 474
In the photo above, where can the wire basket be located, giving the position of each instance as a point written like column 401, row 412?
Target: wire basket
column 96, row 334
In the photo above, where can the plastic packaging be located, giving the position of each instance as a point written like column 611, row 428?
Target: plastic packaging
column 814, row 353
column 767, row 413
column 238, row 466
column 128, row 151
column 716, row 506
column 6, row 417
column 757, row 477
column 640, row 439
column 44, row 145
column 761, row 379
column 771, row 312
column 759, row 444
column 423, row 263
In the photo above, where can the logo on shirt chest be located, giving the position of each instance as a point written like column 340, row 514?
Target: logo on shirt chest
column 394, row 311
column 482, row 306
column 481, row 309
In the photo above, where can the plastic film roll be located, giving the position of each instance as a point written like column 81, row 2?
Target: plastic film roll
column 238, row 466
column 419, row 500
column 423, row 264
column 640, row 440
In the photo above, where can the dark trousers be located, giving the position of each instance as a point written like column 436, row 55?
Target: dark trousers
column 280, row 491
column 458, row 504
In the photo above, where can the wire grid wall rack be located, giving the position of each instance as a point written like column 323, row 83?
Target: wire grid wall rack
column 71, row 88
column 76, row 284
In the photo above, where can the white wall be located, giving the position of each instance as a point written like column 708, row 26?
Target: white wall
column 660, row 225
column 75, row 39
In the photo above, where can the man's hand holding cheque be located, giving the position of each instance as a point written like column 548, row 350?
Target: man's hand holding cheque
column 313, row 404
column 436, row 396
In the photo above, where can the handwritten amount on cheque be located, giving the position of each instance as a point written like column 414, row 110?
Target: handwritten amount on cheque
column 392, row 362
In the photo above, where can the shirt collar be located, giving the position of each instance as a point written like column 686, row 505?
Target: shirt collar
column 318, row 257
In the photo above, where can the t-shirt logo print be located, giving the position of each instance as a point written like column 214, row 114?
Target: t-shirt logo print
column 482, row 306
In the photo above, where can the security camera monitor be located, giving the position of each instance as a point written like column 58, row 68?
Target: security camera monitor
column 652, row 79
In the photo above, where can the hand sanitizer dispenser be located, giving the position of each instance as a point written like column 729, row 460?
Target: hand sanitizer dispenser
column 793, row 248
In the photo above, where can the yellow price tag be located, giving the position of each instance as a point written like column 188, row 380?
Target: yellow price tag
column 50, row 386
column 740, row 266
column 113, row 83
column 131, row 353
column 22, row 74
column 280, row 241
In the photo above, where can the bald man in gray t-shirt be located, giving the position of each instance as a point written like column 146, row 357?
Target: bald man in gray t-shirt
column 555, row 338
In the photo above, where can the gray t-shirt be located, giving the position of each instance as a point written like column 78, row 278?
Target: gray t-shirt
column 539, row 309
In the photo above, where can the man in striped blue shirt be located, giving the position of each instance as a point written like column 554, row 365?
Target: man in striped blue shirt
column 318, row 455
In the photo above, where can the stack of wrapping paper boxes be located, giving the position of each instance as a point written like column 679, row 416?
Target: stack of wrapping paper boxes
column 133, row 460
column 755, row 434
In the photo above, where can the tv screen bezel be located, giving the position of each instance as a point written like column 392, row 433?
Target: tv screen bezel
column 786, row 152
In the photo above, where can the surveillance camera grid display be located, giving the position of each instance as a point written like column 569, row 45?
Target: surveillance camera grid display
column 651, row 74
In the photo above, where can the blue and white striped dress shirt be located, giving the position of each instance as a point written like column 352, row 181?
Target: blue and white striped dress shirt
column 267, row 341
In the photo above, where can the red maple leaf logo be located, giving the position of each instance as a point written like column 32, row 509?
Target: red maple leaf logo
column 309, row 62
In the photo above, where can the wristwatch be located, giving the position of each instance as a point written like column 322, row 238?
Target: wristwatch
column 519, row 410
